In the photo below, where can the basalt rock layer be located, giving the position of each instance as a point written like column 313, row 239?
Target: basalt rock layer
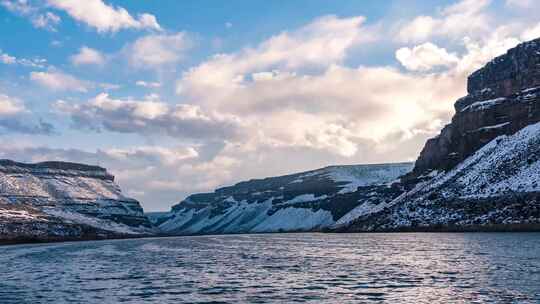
column 503, row 97
column 54, row 201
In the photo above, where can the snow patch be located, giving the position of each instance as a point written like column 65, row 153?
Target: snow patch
column 306, row 198
column 79, row 218
column 484, row 105
column 368, row 175
column 295, row 219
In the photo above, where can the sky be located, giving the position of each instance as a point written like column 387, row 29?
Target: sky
column 180, row 97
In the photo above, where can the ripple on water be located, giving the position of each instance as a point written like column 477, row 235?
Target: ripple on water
column 279, row 268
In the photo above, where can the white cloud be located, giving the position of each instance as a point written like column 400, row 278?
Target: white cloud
column 425, row 57
column 87, row 56
column 47, row 20
column 289, row 101
column 56, row 43
column 59, row 81
column 36, row 62
column 531, row 33
column 148, row 84
column 149, row 116
column 166, row 156
column 36, row 14
column 324, row 111
column 466, row 17
column 156, row 50
column 323, row 42
column 109, row 86
column 292, row 91
column 478, row 53
column 10, row 106
column 15, row 118
column 18, row 6
column 6, row 58
column 103, row 17
column 12, row 60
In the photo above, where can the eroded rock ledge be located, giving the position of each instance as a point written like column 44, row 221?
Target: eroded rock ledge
column 503, row 97
column 53, row 201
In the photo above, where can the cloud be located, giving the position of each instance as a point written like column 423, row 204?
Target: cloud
column 12, row 60
column 293, row 90
column 10, row 106
column 38, row 17
column 166, row 156
column 466, row 17
column 148, row 84
column 531, row 33
column 15, row 118
column 153, row 51
column 480, row 52
column 87, row 56
column 108, row 86
column 59, row 81
column 7, row 59
column 56, row 43
column 103, row 17
column 149, row 116
column 323, row 42
column 425, row 57
column 22, row 126
column 289, row 100
column 47, row 20
column 18, row 6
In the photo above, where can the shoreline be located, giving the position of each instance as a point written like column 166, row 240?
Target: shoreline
column 518, row 228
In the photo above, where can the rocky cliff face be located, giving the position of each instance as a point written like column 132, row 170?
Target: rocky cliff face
column 58, row 200
column 503, row 97
column 308, row 201
column 497, row 188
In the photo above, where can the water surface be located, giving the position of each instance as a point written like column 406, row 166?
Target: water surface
column 278, row 268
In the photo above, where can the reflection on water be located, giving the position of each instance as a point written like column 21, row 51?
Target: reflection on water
column 280, row 268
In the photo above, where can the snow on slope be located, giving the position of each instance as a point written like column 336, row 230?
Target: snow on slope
column 506, row 164
column 304, row 201
column 70, row 193
column 295, row 219
column 496, row 185
column 79, row 218
column 360, row 176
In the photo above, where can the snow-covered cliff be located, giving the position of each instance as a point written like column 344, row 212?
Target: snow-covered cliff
column 497, row 188
column 58, row 200
column 307, row 201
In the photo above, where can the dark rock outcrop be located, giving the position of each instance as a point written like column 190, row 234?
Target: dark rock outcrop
column 503, row 97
